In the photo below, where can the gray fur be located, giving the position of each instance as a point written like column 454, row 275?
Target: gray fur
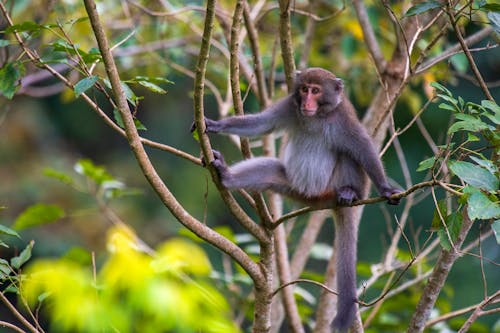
column 327, row 153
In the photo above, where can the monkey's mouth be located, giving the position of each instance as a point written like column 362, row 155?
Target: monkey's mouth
column 307, row 113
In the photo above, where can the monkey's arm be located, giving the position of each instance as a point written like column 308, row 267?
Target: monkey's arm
column 266, row 121
column 359, row 146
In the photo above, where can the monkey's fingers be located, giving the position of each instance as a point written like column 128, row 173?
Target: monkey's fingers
column 389, row 195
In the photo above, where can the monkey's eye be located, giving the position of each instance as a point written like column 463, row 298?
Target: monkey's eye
column 316, row 90
column 304, row 89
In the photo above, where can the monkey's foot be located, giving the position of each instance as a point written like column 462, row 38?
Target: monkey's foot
column 346, row 196
column 387, row 193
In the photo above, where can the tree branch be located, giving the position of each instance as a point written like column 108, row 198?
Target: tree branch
column 369, row 36
column 468, row 55
column 437, row 279
column 149, row 171
column 356, row 203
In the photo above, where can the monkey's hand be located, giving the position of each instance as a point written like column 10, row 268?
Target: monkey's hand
column 220, row 166
column 211, row 126
column 388, row 193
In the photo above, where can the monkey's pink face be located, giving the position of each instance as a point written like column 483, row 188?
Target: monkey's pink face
column 309, row 99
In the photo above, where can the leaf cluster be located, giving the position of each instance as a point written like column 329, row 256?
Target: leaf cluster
column 472, row 155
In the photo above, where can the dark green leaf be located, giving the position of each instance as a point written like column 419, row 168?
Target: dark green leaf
column 453, row 224
column 23, row 257
column 8, row 231
column 437, row 223
column 474, row 175
column 85, row 84
column 480, row 206
column 426, row 164
column 119, row 121
column 423, row 7
column 131, row 97
column 492, row 7
column 495, row 226
column 38, row 214
column 10, row 78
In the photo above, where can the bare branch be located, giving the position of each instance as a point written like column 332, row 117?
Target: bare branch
column 4, row 299
column 468, row 54
column 369, row 36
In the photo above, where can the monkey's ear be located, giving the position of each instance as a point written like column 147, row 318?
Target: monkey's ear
column 338, row 84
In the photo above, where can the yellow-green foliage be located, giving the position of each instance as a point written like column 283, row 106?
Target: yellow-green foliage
column 132, row 292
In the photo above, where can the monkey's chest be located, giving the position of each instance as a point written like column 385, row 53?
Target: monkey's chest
column 309, row 164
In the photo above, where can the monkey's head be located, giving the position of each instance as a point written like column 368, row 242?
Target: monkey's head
column 317, row 91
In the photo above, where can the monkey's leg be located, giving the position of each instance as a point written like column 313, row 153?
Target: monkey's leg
column 348, row 180
column 255, row 174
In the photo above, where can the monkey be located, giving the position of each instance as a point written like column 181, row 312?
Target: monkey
column 327, row 159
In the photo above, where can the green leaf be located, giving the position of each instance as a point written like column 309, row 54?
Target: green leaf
column 131, row 97
column 492, row 7
column 472, row 138
column 423, row 7
column 61, row 176
column 453, row 224
column 8, row 231
column 437, row 224
column 489, row 165
column 119, row 121
column 441, row 88
column 474, row 175
column 23, row 257
column 426, row 164
column 460, row 62
column 480, row 206
column 5, row 269
column 85, row 84
column 97, row 173
column 38, row 214
column 10, row 78
column 449, row 107
column 468, row 123
column 152, row 87
column 28, row 26
column 495, row 226
column 139, row 125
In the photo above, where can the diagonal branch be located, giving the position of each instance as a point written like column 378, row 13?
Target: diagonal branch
column 148, row 169
column 369, row 36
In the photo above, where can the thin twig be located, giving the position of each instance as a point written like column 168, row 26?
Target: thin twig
column 4, row 299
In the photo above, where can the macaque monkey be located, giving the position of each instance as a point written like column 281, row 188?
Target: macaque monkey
column 327, row 158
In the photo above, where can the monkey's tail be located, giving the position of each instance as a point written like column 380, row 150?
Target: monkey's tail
column 346, row 235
